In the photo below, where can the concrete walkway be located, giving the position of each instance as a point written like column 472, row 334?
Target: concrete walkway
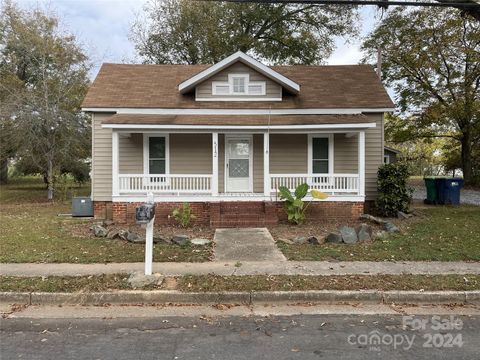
column 248, row 244
column 249, row 268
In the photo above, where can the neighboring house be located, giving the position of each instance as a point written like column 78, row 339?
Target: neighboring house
column 390, row 155
column 224, row 137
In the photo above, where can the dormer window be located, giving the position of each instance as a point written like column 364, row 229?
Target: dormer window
column 238, row 84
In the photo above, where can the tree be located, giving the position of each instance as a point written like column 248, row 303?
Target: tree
column 192, row 32
column 432, row 61
column 44, row 79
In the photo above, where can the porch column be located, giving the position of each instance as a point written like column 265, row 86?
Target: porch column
column 214, row 164
column 266, row 164
column 361, row 163
column 115, row 151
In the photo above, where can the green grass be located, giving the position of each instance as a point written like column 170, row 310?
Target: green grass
column 213, row 283
column 447, row 234
column 32, row 231
column 65, row 283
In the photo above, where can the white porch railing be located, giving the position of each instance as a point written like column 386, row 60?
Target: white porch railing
column 168, row 184
column 334, row 184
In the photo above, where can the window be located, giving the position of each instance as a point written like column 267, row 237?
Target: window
column 256, row 88
column 238, row 83
column 386, row 159
column 220, row 88
column 155, row 154
column 320, row 154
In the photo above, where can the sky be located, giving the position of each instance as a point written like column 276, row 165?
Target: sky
column 103, row 26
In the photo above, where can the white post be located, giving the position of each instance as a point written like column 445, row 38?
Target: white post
column 361, row 163
column 149, row 247
column 115, row 152
column 214, row 164
column 266, row 164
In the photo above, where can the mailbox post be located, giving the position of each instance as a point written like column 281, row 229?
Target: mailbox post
column 145, row 215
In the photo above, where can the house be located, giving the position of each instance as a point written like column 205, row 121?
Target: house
column 224, row 137
column 390, row 155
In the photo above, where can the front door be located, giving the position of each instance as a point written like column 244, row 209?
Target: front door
column 238, row 163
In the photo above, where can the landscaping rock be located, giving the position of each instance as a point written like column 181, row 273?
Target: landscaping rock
column 349, row 235
column 379, row 235
column 108, row 222
column 99, row 231
column 403, row 216
column 200, row 241
column 135, row 238
column 286, row 241
column 364, row 232
column 299, row 240
column 123, row 234
column 313, row 240
column 160, row 239
column 112, row 234
column 334, row 238
column 139, row 280
column 181, row 240
column 373, row 219
column 390, row 227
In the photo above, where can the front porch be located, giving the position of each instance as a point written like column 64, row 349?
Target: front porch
column 233, row 166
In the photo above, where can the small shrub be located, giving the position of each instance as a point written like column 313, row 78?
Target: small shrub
column 184, row 215
column 294, row 205
column 393, row 193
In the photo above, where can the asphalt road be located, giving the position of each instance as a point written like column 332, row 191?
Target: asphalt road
column 240, row 337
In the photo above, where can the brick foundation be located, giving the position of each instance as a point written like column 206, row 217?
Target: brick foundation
column 229, row 214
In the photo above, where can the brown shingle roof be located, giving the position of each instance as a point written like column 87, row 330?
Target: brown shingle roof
column 156, row 86
column 238, row 120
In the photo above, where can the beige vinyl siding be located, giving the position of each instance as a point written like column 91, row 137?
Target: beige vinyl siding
column 191, row 154
column 258, row 163
column 373, row 155
column 345, row 154
column 130, row 154
column 272, row 89
column 101, row 159
column 288, row 153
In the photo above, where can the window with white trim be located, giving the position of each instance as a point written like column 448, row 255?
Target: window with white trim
column 239, row 84
column 157, row 155
column 320, row 155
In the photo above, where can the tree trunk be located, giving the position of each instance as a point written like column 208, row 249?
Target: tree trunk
column 467, row 155
column 3, row 171
column 50, row 180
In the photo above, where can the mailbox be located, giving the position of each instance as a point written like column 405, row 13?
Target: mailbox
column 144, row 213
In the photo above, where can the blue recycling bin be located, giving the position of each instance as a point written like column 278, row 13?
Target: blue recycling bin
column 448, row 190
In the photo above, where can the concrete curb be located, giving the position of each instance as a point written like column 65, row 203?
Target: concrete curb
column 321, row 296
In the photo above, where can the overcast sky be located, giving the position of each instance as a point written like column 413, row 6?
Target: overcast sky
column 102, row 27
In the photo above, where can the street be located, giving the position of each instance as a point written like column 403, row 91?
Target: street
column 316, row 336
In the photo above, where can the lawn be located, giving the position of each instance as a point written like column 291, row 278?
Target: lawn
column 446, row 233
column 32, row 231
column 213, row 283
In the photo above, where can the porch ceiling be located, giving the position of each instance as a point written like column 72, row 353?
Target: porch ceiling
column 236, row 120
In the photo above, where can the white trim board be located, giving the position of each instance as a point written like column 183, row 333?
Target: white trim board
column 240, row 127
column 189, row 84
column 177, row 111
